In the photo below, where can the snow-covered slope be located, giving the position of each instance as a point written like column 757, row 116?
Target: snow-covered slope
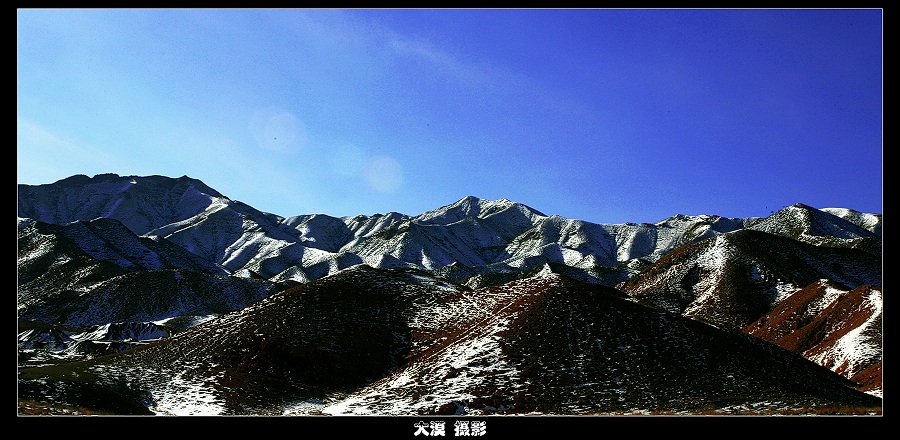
column 97, row 272
column 106, row 240
column 868, row 221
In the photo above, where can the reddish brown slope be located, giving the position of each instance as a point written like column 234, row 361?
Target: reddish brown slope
column 834, row 326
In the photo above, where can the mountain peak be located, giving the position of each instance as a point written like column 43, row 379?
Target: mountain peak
column 141, row 203
column 469, row 199
column 473, row 203
column 475, row 207
column 805, row 223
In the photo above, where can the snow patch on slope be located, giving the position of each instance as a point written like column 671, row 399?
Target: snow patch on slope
column 455, row 368
column 711, row 262
column 173, row 394
column 868, row 221
column 855, row 346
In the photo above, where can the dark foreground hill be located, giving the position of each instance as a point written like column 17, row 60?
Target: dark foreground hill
column 399, row 342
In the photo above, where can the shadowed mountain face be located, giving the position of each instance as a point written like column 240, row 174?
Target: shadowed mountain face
column 167, row 297
column 375, row 341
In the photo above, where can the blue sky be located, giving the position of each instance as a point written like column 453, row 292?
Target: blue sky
column 608, row 116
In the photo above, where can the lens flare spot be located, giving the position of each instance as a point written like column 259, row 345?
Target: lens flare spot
column 277, row 130
column 383, row 174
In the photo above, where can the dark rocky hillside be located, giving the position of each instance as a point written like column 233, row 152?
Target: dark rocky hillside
column 370, row 341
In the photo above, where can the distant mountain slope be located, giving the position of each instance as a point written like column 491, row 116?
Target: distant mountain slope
column 375, row 341
column 144, row 296
column 822, row 228
column 107, row 240
column 48, row 261
column 96, row 272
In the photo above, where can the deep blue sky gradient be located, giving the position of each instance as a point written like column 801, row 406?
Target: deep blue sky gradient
column 608, row 116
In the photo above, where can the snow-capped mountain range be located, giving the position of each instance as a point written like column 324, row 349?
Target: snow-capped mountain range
column 461, row 240
column 110, row 263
